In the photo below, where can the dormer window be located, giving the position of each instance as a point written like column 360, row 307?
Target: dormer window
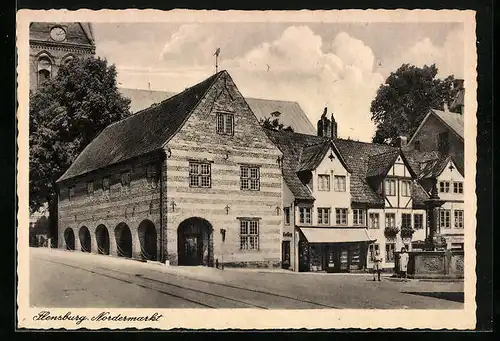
column 225, row 124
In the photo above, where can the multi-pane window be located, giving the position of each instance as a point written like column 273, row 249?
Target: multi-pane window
column 225, row 124
column 323, row 182
column 372, row 249
column 286, row 213
column 249, row 234
column 358, row 217
column 406, row 221
column 90, row 188
column 389, row 252
column 199, row 174
column 106, row 185
column 305, row 215
column 458, row 187
column 459, row 219
column 152, row 175
column 323, row 216
column 390, row 220
column 341, row 216
column 249, row 178
column 374, row 221
column 444, row 219
column 406, row 188
column 339, row 183
column 390, row 187
column 444, row 187
column 418, row 221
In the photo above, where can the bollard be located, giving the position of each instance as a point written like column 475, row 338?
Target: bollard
column 217, row 263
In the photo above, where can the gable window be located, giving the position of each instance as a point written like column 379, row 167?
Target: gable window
column 358, row 217
column 71, row 192
column 106, row 185
column 249, row 234
column 341, row 216
column 323, row 216
column 444, row 219
column 390, row 220
column 458, row 187
column 390, row 187
column 374, row 221
column 152, row 176
column 323, row 182
column 125, row 180
column 418, row 221
column 90, row 188
column 406, row 188
column 225, row 124
column 406, row 221
column 249, row 178
column 305, row 215
column 459, row 219
column 417, row 145
column 444, row 187
column 199, row 174
column 339, row 183
column 286, row 213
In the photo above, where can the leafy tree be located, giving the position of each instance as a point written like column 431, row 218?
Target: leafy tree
column 274, row 124
column 406, row 97
column 65, row 115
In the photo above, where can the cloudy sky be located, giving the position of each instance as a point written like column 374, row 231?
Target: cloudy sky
column 339, row 65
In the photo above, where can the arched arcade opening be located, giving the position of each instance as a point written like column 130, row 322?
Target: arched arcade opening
column 123, row 240
column 195, row 242
column 85, row 241
column 102, row 238
column 148, row 239
column 69, row 239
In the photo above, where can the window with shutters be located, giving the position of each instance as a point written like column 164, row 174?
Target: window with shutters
column 199, row 174
column 249, row 178
column 225, row 124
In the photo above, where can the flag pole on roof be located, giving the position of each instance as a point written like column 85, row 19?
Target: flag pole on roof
column 216, row 54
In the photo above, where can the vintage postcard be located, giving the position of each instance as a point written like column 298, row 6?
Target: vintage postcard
column 246, row 170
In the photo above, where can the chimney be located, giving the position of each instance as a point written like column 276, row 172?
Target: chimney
column 401, row 141
column 334, row 128
column 324, row 125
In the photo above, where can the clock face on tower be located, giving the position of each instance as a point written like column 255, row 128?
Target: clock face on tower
column 58, row 33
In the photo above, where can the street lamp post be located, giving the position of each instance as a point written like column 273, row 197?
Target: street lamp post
column 223, row 235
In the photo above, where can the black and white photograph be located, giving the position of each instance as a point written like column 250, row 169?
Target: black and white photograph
column 294, row 170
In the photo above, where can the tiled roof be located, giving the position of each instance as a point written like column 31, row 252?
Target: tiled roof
column 453, row 120
column 291, row 145
column 380, row 164
column 141, row 133
column 291, row 114
column 312, row 156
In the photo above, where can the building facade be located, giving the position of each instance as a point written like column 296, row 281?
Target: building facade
column 53, row 44
column 193, row 180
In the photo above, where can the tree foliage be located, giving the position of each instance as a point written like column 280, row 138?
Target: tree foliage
column 274, row 124
column 65, row 115
column 406, row 97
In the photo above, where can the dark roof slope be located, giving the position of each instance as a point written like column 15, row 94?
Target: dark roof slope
column 141, row 133
column 380, row 164
column 291, row 145
column 312, row 156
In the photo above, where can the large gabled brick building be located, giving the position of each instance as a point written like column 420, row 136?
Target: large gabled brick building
column 192, row 180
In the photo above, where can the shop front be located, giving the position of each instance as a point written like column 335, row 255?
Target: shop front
column 333, row 249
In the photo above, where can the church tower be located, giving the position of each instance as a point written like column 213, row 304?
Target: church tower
column 53, row 44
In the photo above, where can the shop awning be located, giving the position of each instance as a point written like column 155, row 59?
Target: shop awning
column 336, row 235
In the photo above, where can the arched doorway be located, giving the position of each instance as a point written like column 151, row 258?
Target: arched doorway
column 85, row 242
column 148, row 240
column 194, row 242
column 123, row 240
column 102, row 238
column 69, row 239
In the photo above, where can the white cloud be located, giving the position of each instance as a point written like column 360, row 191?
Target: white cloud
column 448, row 57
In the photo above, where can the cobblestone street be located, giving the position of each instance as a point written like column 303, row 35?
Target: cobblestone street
column 74, row 279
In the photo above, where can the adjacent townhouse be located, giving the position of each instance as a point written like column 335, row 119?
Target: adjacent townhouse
column 344, row 199
column 436, row 152
column 193, row 180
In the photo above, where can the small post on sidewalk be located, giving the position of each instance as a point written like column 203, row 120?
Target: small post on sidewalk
column 223, row 234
